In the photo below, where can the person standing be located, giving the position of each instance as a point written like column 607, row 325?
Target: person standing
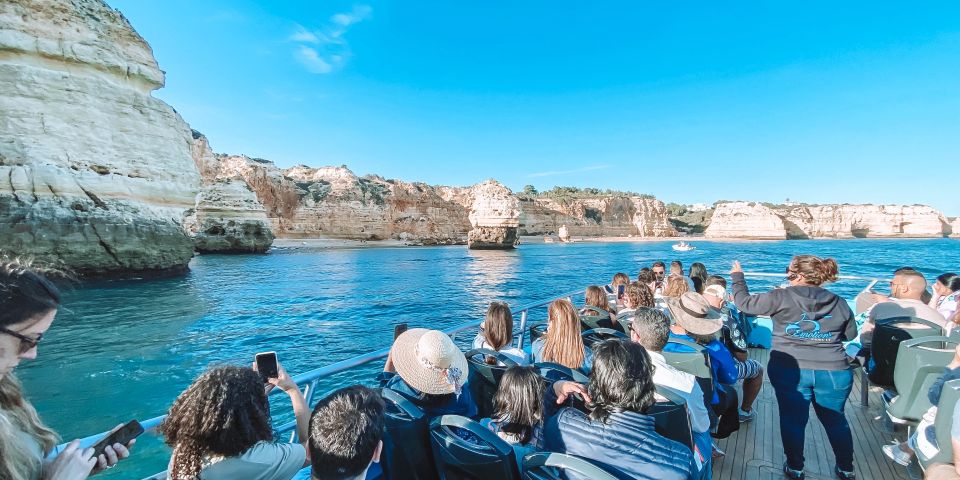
column 807, row 359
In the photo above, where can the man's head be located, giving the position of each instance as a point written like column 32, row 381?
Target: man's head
column 715, row 295
column 715, row 280
column 345, row 434
column 659, row 270
column 676, row 268
column 650, row 328
column 908, row 285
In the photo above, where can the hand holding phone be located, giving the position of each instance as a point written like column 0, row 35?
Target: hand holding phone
column 266, row 366
column 122, row 435
column 400, row 328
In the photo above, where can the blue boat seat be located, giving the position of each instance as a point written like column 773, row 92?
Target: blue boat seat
column 484, row 457
column 484, row 379
column 597, row 335
column 671, row 418
column 557, row 466
column 406, row 440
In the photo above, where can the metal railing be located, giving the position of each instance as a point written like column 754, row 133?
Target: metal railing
column 309, row 380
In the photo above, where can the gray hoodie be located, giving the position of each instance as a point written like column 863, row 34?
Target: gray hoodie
column 809, row 323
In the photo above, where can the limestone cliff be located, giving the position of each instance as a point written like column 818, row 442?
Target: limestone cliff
column 600, row 216
column 955, row 227
column 746, row 220
column 494, row 216
column 95, row 173
column 227, row 217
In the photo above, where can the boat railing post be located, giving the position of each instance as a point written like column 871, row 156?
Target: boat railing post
column 523, row 328
column 308, row 391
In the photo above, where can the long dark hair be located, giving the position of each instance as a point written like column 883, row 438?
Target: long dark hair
column 622, row 379
column 950, row 280
column 25, row 292
column 698, row 273
column 518, row 403
column 224, row 412
column 498, row 328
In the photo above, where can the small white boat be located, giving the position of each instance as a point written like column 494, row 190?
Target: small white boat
column 683, row 247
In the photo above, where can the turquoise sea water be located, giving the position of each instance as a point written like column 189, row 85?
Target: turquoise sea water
column 122, row 350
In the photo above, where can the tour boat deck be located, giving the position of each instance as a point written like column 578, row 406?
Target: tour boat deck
column 756, row 452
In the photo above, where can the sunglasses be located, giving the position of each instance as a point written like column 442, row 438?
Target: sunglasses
column 26, row 343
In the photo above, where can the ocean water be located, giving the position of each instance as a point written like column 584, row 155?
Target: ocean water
column 122, row 350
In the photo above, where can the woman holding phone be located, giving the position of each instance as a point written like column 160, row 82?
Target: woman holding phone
column 28, row 305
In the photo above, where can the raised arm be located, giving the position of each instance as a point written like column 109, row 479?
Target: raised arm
column 301, row 411
column 761, row 304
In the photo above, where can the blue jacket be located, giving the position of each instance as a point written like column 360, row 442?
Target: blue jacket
column 627, row 443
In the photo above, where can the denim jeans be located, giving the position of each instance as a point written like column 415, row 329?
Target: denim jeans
column 795, row 388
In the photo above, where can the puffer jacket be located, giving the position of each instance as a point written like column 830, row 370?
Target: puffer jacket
column 626, row 444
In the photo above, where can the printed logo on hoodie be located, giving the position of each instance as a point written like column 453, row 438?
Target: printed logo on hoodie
column 812, row 330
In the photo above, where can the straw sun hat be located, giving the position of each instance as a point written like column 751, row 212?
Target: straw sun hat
column 429, row 361
column 692, row 312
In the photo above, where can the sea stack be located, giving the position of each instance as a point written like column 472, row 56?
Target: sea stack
column 96, row 173
column 494, row 216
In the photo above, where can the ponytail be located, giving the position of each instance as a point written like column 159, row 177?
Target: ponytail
column 815, row 270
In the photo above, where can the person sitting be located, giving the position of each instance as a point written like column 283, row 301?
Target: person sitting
column 647, row 278
column 676, row 269
column 427, row 368
column 562, row 342
column 615, row 432
column 946, row 291
column 696, row 321
column 346, row 434
column 734, row 332
column 651, row 329
column 638, row 296
column 698, row 274
column 612, row 290
column 518, row 411
column 676, row 286
column 220, row 427
column 595, row 298
column 496, row 333
column 906, row 291
column 659, row 274
column 943, row 471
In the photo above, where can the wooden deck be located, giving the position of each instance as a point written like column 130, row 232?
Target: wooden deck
column 756, row 452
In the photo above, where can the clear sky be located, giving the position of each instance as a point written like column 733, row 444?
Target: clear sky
column 819, row 101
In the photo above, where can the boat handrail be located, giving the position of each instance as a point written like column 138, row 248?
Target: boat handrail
column 309, row 380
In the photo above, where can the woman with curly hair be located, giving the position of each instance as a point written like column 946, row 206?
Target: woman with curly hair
column 28, row 305
column 219, row 428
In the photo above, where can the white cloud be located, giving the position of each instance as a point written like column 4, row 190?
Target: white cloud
column 567, row 172
column 328, row 51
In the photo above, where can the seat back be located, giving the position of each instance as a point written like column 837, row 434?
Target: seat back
column 477, row 454
column 553, row 372
column 920, row 362
column 942, row 425
column 598, row 335
column 406, row 440
column 696, row 363
column 671, row 418
column 887, row 336
column 537, row 330
column 593, row 317
column 557, row 466
column 484, row 379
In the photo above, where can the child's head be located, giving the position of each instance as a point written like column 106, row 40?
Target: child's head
column 518, row 404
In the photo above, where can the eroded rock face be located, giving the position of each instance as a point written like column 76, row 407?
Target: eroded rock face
column 601, row 216
column 746, row 220
column 492, row 238
column 94, row 172
column 955, row 228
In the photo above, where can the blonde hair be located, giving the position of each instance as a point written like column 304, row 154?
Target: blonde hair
column 16, row 414
column 676, row 286
column 596, row 297
column 620, row 279
column 562, row 342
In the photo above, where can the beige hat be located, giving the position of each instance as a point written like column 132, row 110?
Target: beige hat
column 429, row 361
column 716, row 290
column 692, row 312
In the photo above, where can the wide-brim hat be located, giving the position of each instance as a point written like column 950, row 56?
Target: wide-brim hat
column 692, row 312
column 429, row 361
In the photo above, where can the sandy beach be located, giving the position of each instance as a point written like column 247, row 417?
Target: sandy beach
column 338, row 243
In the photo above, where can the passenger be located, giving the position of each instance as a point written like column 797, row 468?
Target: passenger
column 619, row 279
column 518, row 411
column 651, row 329
column 676, row 269
column 496, row 333
column 638, row 296
column 807, row 360
column 220, row 427
column 698, row 274
column 906, row 291
column 647, row 278
column 346, row 434
column 659, row 273
column 946, row 291
column 562, row 342
column 676, row 286
column 616, row 432
column 736, row 327
column 696, row 321
column 427, row 368
column 596, row 298
column 942, row 471
column 28, row 305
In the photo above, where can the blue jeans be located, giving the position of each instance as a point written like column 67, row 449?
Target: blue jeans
column 828, row 390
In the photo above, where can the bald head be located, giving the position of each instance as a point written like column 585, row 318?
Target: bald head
column 908, row 285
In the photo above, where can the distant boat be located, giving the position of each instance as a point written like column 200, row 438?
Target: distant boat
column 684, row 247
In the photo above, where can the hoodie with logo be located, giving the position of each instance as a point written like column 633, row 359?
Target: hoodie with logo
column 809, row 323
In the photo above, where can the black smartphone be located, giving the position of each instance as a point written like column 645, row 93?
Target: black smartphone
column 620, row 290
column 128, row 432
column 267, row 365
column 399, row 329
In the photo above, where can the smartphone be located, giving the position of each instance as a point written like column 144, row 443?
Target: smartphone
column 399, row 329
column 620, row 290
column 128, row 432
column 267, row 365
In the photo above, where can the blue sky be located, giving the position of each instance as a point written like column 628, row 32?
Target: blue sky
column 690, row 101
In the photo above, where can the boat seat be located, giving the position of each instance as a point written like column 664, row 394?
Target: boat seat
column 484, row 456
column 671, row 418
column 553, row 372
column 406, row 440
column 592, row 318
column 696, row 363
column 955, row 335
column 920, row 363
column 537, row 330
column 557, row 466
column 942, row 425
column 597, row 335
column 887, row 336
column 484, row 379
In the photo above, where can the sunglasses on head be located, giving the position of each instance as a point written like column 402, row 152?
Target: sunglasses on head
column 26, row 343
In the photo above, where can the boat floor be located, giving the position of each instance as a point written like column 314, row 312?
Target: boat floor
column 756, row 452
